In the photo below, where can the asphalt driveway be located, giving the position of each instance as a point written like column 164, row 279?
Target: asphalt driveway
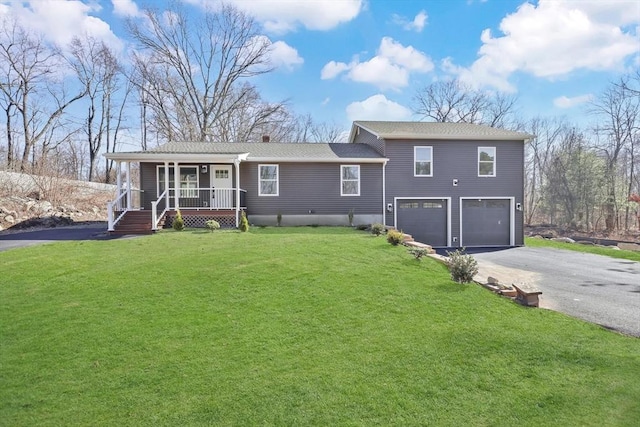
column 19, row 239
column 595, row 288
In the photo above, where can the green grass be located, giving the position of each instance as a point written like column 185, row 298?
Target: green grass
column 613, row 253
column 289, row 326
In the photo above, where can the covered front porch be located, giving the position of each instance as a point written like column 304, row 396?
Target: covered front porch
column 202, row 187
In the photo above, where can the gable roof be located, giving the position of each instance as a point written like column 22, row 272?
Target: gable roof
column 256, row 152
column 436, row 130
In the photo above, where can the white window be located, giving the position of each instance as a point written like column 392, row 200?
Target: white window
column 349, row 180
column 423, row 161
column 189, row 180
column 268, row 180
column 486, row 161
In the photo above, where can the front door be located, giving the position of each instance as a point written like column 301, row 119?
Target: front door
column 221, row 187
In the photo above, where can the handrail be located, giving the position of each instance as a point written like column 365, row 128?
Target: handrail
column 155, row 218
column 117, row 203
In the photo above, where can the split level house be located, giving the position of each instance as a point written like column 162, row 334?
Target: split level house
column 446, row 184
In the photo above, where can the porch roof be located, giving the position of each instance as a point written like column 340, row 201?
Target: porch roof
column 254, row 152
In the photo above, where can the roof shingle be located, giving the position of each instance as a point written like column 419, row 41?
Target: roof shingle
column 436, row 130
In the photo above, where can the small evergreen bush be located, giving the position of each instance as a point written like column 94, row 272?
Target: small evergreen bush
column 213, row 225
column 462, row 266
column 362, row 227
column 279, row 219
column 418, row 253
column 178, row 222
column 244, row 222
column 377, row 229
column 350, row 216
column 395, row 237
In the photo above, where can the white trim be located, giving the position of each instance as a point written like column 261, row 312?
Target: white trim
column 342, row 180
column 448, row 199
column 318, row 160
column 180, row 166
column 495, row 162
column 512, row 218
column 384, row 194
column 277, row 180
column 415, row 148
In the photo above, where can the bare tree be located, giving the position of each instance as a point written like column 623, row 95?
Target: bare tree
column 99, row 72
column 32, row 84
column 618, row 112
column 454, row 101
column 189, row 72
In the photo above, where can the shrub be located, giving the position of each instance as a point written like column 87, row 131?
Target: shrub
column 350, row 216
column 377, row 229
column 462, row 266
column 395, row 237
column 212, row 225
column 279, row 219
column 244, row 222
column 362, row 227
column 418, row 253
column 178, row 222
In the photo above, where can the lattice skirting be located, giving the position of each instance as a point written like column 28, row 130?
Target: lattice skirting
column 200, row 221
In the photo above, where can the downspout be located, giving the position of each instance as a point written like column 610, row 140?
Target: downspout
column 384, row 193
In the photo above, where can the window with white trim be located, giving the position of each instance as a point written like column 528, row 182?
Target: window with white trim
column 486, row 161
column 189, row 180
column 349, row 180
column 423, row 161
column 268, row 180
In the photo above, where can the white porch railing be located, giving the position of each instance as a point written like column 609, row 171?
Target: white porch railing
column 194, row 199
column 115, row 207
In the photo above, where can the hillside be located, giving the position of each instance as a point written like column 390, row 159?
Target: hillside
column 43, row 201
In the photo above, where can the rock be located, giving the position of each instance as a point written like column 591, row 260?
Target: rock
column 585, row 242
column 563, row 239
column 44, row 207
column 492, row 280
column 95, row 210
column 10, row 219
column 615, row 248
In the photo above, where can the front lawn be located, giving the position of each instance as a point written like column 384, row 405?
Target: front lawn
column 591, row 249
column 289, row 326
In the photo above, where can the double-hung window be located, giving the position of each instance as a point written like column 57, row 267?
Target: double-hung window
column 487, row 161
column 188, row 180
column 268, row 180
column 423, row 161
column 349, row 180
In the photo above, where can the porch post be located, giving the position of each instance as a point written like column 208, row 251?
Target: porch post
column 128, row 185
column 176, row 184
column 236, row 164
column 118, row 181
column 166, row 185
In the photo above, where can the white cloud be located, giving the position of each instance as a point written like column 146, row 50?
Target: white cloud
column 282, row 16
column 389, row 69
column 566, row 102
column 377, row 107
column 417, row 24
column 284, row 56
column 60, row 21
column 331, row 69
column 125, row 8
column 325, row 101
column 554, row 38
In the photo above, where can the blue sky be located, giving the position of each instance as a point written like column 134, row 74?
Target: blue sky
column 343, row 60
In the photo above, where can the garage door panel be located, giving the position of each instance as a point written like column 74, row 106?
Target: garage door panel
column 486, row 222
column 425, row 220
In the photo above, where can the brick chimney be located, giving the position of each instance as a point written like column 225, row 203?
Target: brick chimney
column 266, row 138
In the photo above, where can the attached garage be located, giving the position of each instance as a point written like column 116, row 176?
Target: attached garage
column 427, row 220
column 486, row 222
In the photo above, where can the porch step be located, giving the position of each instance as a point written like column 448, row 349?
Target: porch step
column 134, row 222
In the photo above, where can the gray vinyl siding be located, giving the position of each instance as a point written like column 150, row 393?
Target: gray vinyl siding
column 456, row 160
column 367, row 138
column 314, row 188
